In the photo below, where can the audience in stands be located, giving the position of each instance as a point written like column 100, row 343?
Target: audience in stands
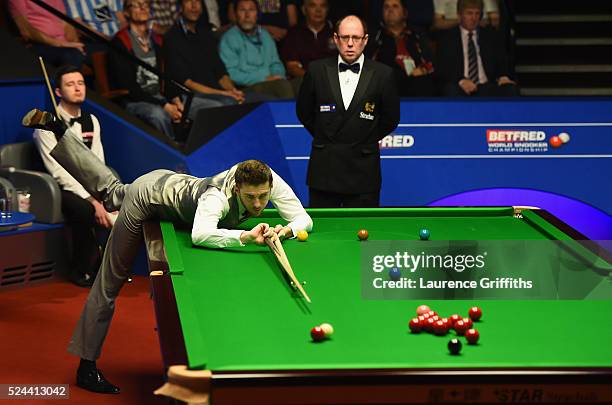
column 145, row 99
column 446, row 14
column 471, row 61
column 53, row 39
column 164, row 14
column 81, row 211
column 341, row 8
column 216, row 13
column 275, row 16
column 310, row 40
column 191, row 57
column 406, row 51
column 250, row 56
column 420, row 14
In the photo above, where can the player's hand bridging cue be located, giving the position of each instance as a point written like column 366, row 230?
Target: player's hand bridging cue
column 258, row 234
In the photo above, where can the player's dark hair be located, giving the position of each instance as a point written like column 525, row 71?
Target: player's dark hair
column 64, row 70
column 254, row 172
column 363, row 24
column 463, row 4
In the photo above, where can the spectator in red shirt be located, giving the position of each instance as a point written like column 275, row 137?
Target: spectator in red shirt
column 56, row 41
column 309, row 41
column 406, row 51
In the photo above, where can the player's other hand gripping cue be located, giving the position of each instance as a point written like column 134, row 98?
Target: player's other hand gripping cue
column 257, row 235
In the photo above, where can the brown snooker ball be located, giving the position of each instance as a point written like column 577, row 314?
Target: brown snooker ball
column 362, row 234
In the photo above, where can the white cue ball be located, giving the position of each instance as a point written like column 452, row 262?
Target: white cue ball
column 564, row 137
column 327, row 329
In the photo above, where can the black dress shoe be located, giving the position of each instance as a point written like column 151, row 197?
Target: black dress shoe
column 82, row 280
column 93, row 380
column 44, row 120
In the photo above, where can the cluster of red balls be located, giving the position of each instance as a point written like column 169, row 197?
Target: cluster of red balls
column 429, row 321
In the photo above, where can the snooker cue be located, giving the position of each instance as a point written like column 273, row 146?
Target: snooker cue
column 44, row 70
column 286, row 266
column 281, row 250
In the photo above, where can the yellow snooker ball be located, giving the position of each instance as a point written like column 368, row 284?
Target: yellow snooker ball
column 302, row 236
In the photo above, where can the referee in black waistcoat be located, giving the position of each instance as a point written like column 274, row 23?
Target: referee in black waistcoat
column 348, row 104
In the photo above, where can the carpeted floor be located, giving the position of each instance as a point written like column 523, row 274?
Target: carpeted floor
column 36, row 323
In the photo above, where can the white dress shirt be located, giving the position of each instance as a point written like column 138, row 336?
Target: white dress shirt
column 213, row 206
column 482, row 77
column 45, row 142
column 349, row 80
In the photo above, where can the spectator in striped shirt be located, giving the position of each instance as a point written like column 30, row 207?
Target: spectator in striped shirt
column 103, row 16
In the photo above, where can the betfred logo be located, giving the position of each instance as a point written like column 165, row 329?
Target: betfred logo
column 396, row 141
column 498, row 135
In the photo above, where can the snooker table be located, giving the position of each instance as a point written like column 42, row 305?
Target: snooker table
column 233, row 331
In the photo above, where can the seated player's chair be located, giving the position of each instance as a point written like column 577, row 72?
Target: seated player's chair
column 21, row 164
column 99, row 62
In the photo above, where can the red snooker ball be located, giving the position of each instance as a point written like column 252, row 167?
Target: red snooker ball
column 555, row 142
column 472, row 336
column 317, row 334
column 362, row 234
column 460, row 328
column 429, row 325
column 454, row 318
column 440, row 328
column 415, row 325
column 468, row 323
column 475, row 313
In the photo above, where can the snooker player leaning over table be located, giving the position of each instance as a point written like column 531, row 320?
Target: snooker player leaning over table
column 214, row 204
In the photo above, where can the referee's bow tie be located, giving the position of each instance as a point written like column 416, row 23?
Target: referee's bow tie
column 353, row 68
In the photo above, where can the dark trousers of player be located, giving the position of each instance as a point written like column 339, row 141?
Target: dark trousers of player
column 329, row 199
column 80, row 215
column 139, row 201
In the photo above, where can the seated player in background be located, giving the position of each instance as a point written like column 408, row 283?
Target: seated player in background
column 215, row 206
column 407, row 52
column 472, row 61
column 81, row 210
column 250, row 56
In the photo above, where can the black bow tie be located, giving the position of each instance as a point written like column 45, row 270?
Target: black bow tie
column 353, row 68
column 75, row 119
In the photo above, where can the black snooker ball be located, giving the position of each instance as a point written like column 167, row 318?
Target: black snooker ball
column 454, row 346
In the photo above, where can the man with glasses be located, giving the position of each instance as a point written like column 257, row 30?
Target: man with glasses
column 347, row 103
column 145, row 99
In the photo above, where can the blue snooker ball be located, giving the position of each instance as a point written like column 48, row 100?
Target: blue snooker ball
column 424, row 234
column 395, row 274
